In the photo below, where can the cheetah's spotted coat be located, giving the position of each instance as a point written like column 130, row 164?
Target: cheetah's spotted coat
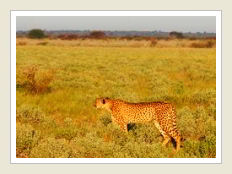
column 163, row 114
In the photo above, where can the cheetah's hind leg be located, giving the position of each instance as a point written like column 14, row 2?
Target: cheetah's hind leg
column 165, row 135
column 166, row 140
column 177, row 139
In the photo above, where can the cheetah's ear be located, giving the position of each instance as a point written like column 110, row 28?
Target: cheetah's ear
column 103, row 101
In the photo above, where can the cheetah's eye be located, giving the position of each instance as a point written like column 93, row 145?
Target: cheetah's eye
column 103, row 101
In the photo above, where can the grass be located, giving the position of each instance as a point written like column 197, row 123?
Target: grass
column 172, row 43
column 60, row 121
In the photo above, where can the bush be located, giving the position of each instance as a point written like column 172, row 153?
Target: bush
column 29, row 114
column 35, row 116
column 51, row 148
column 43, row 43
column 97, row 35
column 116, row 135
column 153, row 42
column 147, row 133
column 212, row 110
column 26, row 137
column 175, row 34
column 192, row 124
column 120, row 146
column 106, row 119
column 68, row 36
column 87, row 147
column 144, row 150
column 72, row 36
column 186, row 123
column 192, row 38
column 201, row 149
column 208, row 44
column 68, row 131
column 203, row 97
column 35, row 82
column 21, row 43
column 180, row 89
column 197, row 45
column 36, row 34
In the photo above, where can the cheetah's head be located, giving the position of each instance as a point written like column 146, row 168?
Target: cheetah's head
column 104, row 103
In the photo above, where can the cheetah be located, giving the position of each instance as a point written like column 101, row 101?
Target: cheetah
column 124, row 113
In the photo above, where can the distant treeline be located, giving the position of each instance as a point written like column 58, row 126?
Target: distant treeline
column 129, row 35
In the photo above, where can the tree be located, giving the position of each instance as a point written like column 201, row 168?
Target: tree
column 36, row 34
column 176, row 34
column 97, row 35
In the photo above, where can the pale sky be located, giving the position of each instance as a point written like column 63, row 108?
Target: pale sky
column 146, row 23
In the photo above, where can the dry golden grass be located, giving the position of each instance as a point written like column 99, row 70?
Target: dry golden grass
column 63, row 123
column 173, row 43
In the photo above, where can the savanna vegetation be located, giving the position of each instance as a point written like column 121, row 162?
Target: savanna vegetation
column 59, row 80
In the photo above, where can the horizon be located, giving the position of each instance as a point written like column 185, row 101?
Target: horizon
column 158, row 31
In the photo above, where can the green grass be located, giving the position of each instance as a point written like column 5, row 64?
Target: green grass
column 67, row 125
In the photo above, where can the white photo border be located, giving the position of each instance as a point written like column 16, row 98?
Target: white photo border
column 216, row 13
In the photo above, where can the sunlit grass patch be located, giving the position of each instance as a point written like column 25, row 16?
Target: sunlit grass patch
column 51, row 148
column 33, row 81
column 61, row 114
column 26, row 138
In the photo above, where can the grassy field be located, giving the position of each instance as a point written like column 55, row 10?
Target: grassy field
column 57, row 83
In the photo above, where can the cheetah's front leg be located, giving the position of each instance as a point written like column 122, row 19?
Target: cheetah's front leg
column 123, row 127
column 120, row 121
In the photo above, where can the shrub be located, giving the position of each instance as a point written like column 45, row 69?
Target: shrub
column 197, row 45
column 61, row 36
column 179, row 88
column 203, row 97
column 196, row 124
column 175, row 34
column 153, row 42
column 86, row 147
column 201, row 149
column 36, row 82
column 97, row 35
column 29, row 114
column 186, row 123
column 192, row 38
column 115, row 135
column 144, row 150
column 209, row 148
column 68, row 131
column 43, row 43
column 68, row 36
column 21, row 43
column 72, row 36
column 51, row 148
column 200, row 117
column 210, row 129
column 26, row 137
column 147, row 133
column 210, row 44
column 36, row 34
column 212, row 110
column 106, row 119
column 91, row 146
